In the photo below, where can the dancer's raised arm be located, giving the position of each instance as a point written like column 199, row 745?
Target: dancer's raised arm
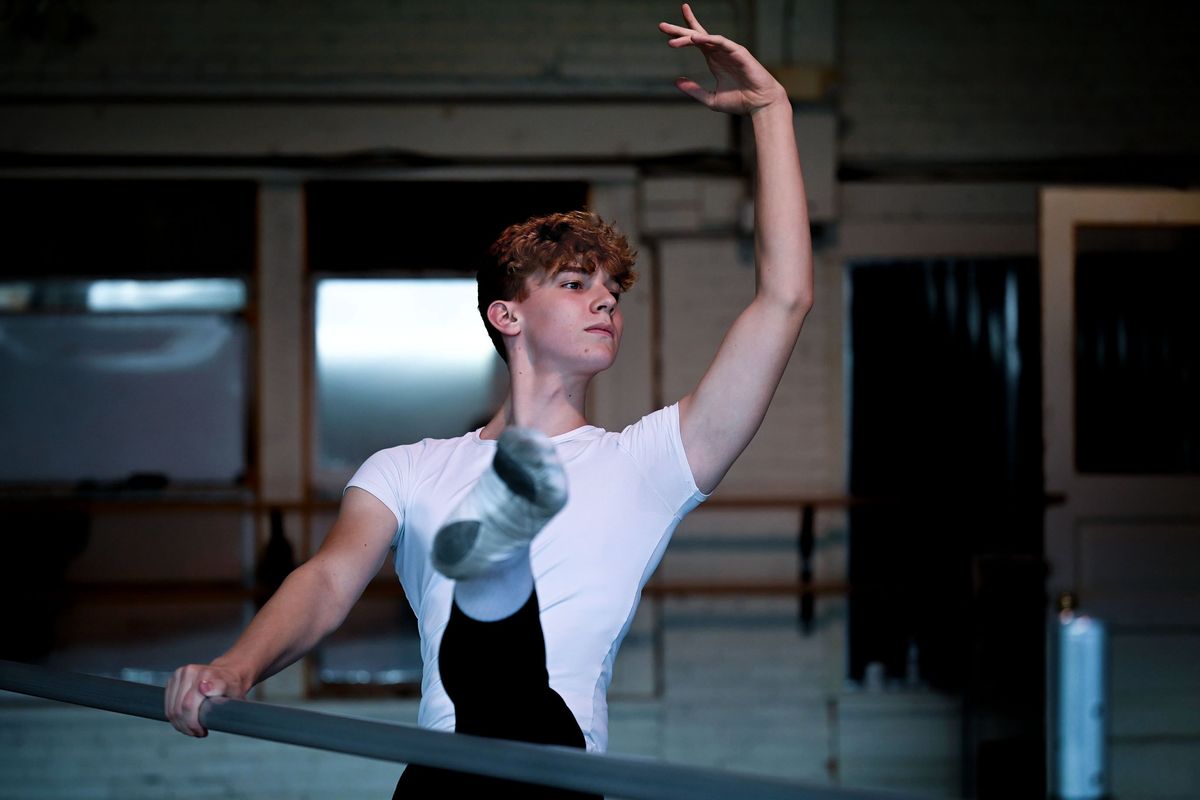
column 722, row 414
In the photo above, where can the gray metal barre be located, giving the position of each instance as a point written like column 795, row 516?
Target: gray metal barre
column 561, row 767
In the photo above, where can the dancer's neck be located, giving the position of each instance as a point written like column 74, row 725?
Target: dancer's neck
column 549, row 405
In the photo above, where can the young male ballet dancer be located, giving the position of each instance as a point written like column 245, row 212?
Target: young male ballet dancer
column 523, row 546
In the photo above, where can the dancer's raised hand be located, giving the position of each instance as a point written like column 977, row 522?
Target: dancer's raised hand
column 743, row 85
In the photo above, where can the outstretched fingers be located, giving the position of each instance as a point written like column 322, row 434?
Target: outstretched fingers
column 680, row 36
column 691, row 19
column 683, row 37
column 742, row 84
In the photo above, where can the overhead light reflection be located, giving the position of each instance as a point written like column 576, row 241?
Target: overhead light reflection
column 207, row 294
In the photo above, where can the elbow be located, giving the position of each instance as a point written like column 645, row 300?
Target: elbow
column 794, row 295
column 802, row 303
column 796, row 304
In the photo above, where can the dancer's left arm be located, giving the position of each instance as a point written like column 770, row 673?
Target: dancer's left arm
column 722, row 414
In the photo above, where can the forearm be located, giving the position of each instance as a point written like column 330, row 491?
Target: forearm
column 720, row 416
column 304, row 610
column 782, row 243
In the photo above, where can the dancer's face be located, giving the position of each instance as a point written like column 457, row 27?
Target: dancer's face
column 573, row 319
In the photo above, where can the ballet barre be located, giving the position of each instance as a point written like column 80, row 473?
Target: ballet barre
column 560, row 767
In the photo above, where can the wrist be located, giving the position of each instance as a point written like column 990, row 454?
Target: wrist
column 778, row 104
column 775, row 116
column 241, row 674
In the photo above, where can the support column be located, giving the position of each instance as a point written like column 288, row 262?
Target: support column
column 281, row 412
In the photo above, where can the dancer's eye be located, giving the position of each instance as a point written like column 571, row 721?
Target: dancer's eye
column 572, row 284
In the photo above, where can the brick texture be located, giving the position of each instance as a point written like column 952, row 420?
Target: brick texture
column 942, row 80
column 448, row 48
column 798, row 450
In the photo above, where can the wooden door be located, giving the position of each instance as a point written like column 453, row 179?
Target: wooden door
column 1120, row 306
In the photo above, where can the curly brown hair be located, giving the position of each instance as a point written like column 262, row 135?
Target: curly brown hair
column 576, row 239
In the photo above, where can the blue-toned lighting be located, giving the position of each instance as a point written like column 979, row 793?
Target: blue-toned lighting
column 200, row 294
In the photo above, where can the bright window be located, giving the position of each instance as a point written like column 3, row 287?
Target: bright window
column 105, row 380
column 398, row 360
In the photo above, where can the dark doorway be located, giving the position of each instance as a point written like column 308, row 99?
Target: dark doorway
column 945, row 445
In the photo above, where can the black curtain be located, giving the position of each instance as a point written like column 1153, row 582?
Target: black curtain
column 946, row 563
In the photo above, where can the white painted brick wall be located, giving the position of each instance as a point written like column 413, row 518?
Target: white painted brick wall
column 941, row 80
column 931, row 79
column 798, row 450
column 528, row 130
column 908, row 741
column 1154, row 697
column 745, row 545
column 222, row 46
column 688, row 204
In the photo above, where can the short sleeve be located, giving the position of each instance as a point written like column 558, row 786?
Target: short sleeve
column 656, row 444
column 384, row 476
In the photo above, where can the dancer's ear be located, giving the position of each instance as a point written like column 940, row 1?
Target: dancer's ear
column 503, row 316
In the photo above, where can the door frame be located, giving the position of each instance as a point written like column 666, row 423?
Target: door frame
column 1062, row 212
column 1123, row 505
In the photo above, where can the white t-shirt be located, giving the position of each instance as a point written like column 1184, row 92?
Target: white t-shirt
column 627, row 493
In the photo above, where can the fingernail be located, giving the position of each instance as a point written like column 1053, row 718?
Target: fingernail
column 205, row 685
